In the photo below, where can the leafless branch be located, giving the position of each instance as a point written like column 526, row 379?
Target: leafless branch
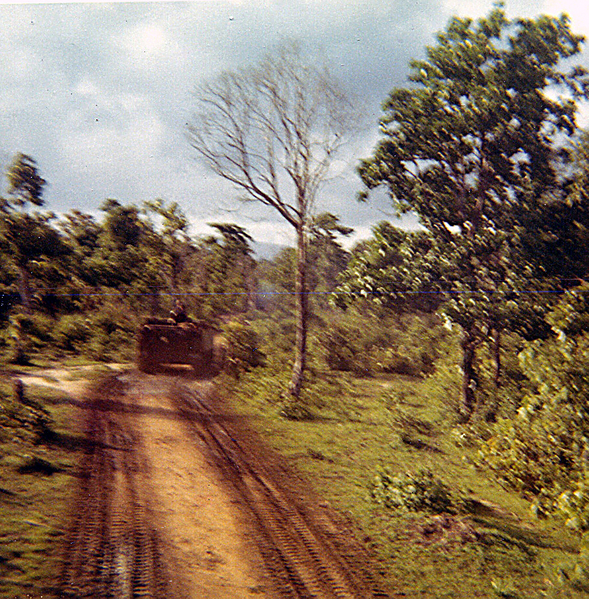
column 273, row 130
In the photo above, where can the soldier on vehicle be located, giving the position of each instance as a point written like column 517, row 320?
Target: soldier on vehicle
column 178, row 314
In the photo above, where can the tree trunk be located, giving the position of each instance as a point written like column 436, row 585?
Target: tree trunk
column 491, row 414
column 24, row 288
column 302, row 302
column 497, row 357
column 469, row 381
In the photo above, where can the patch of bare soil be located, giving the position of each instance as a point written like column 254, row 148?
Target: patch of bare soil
column 71, row 380
column 178, row 499
column 445, row 530
column 203, row 535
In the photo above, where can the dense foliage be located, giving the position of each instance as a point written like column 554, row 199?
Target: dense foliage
column 478, row 148
column 78, row 284
column 482, row 149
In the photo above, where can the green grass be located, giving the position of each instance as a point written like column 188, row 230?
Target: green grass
column 36, row 486
column 361, row 426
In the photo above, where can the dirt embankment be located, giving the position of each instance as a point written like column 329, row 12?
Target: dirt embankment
column 178, row 500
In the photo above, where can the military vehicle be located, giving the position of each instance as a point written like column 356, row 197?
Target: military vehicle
column 164, row 341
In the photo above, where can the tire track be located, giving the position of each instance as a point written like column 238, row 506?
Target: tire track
column 299, row 553
column 112, row 551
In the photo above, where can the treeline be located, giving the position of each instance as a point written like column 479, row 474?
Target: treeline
column 80, row 283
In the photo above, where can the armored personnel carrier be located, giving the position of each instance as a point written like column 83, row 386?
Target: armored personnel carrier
column 164, row 341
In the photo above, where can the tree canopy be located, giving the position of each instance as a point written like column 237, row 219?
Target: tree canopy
column 475, row 147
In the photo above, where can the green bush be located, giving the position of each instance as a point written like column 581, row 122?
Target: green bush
column 418, row 491
column 277, row 335
column 366, row 344
column 339, row 345
column 72, row 332
column 113, row 333
column 542, row 450
column 38, row 328
column 444, row 385
column 26, row 420
column 573, row 506
column 242, row 347
column 26, row 333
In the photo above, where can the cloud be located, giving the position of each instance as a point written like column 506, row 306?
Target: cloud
column 148, row 46
column 108, row 138
column 99, row 93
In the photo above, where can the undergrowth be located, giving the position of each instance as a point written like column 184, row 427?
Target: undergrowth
column 36, row 474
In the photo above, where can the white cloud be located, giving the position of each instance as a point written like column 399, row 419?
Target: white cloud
column 99, row 93
column 86, row 87
column 111, row 138
column 145, row 38
column 21, row 66
column 575, row 9
column 150, row 46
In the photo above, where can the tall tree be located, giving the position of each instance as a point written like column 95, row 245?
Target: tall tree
column 272, row 131
column 27, row 236
column 172, row 244
column 25, row 184
column 227, row 267
column 472, row 145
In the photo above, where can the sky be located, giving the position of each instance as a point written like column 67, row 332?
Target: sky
column 99, row 94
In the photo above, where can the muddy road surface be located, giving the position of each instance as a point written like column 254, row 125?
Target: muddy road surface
column 178, row 499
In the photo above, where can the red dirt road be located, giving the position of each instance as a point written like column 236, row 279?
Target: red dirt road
column 178, row 500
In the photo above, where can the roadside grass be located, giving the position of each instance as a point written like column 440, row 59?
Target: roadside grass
column 39, row 451
column 492, row 547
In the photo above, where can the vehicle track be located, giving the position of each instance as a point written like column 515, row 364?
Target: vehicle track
column 112, row 551
column 302, row 555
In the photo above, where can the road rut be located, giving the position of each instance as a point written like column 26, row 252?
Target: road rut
column 179, row 500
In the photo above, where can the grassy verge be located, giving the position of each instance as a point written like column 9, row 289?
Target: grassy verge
column 491, row 546
column 39, row 450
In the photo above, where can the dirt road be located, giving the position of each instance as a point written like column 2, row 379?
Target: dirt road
column 179, row 500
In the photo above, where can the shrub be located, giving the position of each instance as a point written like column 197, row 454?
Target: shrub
column 242, row 347
column 113, row 333
column 573, row 506
column 367, row 344
column 418, row 491
column 277, row 335
column 542, row 450
column 72, row 331
column 26, row 333
column 38, row 328
column 26, row 420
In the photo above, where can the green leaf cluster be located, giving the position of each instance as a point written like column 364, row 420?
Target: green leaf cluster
column 481, row 148
column 413, row 491
column 543, row 451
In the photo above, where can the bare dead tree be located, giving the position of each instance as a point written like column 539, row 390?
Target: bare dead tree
column 273, row 130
